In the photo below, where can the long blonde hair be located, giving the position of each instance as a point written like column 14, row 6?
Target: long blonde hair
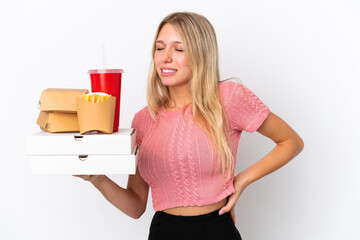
column 200, row 45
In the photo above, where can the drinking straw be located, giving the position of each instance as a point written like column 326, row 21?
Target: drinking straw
column 103, row 54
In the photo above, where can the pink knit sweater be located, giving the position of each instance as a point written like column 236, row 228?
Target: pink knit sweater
column 174, row 155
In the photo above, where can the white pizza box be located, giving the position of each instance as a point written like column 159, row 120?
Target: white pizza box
column 83, row 164
column 44, row 143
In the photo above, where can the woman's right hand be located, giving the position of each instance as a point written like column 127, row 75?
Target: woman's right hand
column 94, row 179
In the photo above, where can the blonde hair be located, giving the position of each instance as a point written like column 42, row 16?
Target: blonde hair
column 200, row 46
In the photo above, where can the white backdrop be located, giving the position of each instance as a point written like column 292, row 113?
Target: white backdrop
column 300, row 57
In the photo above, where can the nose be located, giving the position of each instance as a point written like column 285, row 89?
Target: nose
column 167, row 56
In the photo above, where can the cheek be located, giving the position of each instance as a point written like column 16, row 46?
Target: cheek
column 157, row 59
column 183, row 63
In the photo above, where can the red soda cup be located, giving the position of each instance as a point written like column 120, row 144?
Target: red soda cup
column 108, row 81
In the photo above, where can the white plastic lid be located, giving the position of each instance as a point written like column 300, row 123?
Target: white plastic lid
column 95, row 71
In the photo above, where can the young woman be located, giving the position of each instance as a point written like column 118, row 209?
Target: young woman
column 188, row 137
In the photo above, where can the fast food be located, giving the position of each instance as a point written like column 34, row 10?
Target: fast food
column 95, row 97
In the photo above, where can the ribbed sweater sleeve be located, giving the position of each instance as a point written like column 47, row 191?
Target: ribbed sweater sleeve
column 245, row 110
column 142, row 123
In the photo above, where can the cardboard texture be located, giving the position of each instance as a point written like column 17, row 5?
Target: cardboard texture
column 83, row 164
column 58, row 122
column 43, row 143
column 96, row 116
column 60, row 99
column 71, row 153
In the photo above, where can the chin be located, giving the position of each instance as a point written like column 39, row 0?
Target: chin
column 168, row 84
column 172, row 83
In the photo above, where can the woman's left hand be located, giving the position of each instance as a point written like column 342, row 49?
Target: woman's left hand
column 239, row 186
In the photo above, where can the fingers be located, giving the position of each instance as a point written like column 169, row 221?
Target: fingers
column 79, row 176
column 229, row 207
column 230, row 204
column 91, row 178
column 84, row 177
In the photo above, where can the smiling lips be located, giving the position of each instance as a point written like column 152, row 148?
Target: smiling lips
column 168, row 71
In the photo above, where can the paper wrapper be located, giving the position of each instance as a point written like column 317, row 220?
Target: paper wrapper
column 96, row 116
column 60, row 99
column 58, row 122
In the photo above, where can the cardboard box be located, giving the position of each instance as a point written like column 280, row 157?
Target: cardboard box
column 96, row 116
column 43, row 143
column 93, row 153
column 58, row 122
column 83, row 164
column 60, row 99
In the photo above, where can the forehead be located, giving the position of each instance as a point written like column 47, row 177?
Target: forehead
column 168, row 34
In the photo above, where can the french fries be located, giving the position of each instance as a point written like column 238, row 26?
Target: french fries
column 95, row 97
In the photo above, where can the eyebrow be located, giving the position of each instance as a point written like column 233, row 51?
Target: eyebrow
column 161, row 41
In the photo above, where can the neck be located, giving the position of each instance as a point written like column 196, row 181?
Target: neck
column 179, row 97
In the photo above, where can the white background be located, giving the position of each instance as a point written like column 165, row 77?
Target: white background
column 300, row 57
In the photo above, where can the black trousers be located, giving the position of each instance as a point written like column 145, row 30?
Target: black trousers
column 209, row 226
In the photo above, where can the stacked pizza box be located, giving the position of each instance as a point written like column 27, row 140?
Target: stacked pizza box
column 75, row 154
column 68, row 143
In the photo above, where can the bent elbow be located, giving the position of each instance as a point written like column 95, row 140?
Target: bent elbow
column 139, row 213
column 300, row 145
column 137, row 216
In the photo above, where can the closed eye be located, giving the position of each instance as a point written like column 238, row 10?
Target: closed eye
column 179, row 50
